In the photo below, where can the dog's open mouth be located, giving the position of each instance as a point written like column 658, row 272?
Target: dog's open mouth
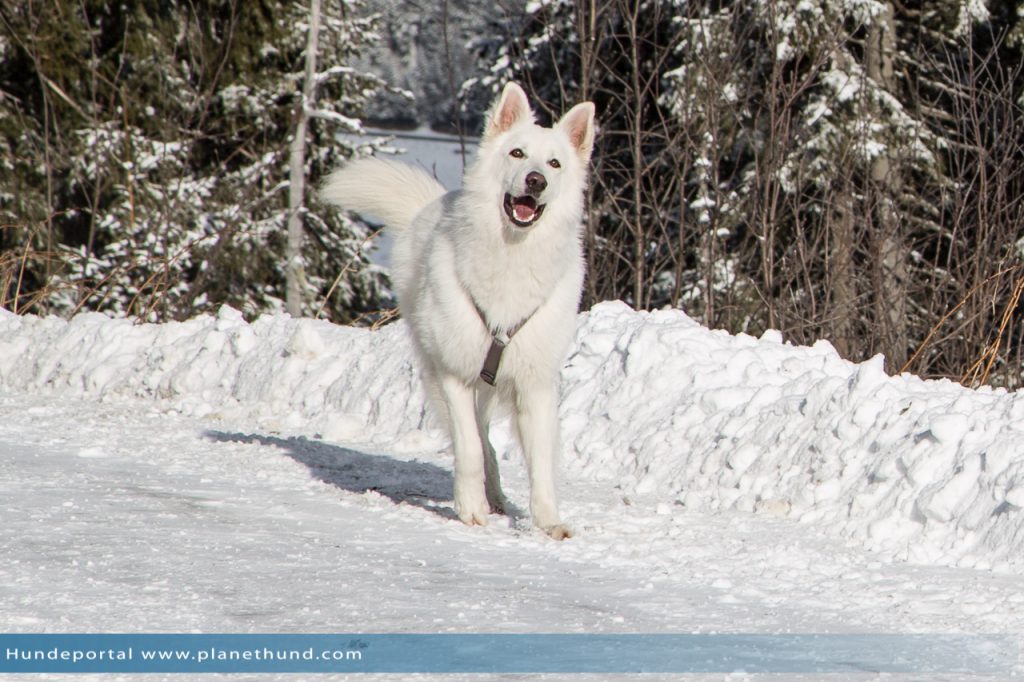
column 523, row 211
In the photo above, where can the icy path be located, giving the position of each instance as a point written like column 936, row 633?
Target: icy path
column 121, row 517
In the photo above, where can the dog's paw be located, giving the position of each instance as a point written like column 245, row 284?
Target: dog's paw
column 476, row 518
column 472, row 510
column 558, row 532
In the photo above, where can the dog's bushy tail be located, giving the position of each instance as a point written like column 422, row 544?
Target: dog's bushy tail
column 387, row 190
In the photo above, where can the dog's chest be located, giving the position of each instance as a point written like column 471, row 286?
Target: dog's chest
column 509, row 285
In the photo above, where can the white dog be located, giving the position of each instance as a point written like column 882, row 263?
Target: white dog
column 489, row 279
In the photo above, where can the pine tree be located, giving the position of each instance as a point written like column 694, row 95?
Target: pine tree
column 146, row 147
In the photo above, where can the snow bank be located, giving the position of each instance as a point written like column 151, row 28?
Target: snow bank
column 342, row 383
column 922, row 470
column 651, row 402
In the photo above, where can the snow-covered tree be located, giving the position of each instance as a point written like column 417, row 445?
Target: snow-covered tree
column 149, row 147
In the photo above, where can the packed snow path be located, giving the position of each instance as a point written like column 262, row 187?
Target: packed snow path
column 217, row 476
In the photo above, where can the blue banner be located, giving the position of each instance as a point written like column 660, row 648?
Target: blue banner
column 506, row 653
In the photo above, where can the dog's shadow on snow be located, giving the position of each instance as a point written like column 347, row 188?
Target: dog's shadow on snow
column 420, row 484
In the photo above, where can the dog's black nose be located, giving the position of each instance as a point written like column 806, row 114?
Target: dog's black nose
column 535, row 183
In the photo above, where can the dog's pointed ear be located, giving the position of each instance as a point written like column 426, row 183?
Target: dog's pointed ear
column 510, row 108
column 578, row 126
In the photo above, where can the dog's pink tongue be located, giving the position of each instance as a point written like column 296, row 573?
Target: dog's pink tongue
column 524, row 212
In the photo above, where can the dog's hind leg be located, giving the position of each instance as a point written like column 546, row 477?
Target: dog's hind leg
column 486, row 398
column 470, row 497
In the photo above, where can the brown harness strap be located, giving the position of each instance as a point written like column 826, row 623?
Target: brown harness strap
column 489, row 372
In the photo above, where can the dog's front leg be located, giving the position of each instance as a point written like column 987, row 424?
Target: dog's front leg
column 537, row 423
column 470, row 498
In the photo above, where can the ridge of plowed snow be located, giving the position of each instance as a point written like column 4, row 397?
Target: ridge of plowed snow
column 652, row 403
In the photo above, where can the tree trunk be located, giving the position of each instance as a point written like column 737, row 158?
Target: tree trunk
column 890, row 266
column 295, row 271
column 843, row 283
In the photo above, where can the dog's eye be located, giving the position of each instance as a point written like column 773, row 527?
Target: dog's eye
column 555, row 163
column 517, row 153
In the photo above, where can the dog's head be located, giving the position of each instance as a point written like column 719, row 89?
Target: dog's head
column 535, row 166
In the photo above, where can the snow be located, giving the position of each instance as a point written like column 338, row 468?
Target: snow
column 217, row 475
column 971, row 12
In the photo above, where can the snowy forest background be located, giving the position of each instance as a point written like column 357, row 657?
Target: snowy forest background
column 840, row 169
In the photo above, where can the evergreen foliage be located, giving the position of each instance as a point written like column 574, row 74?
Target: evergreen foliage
column 143, row 156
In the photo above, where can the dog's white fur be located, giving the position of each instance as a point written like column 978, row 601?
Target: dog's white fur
column 459, row 251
